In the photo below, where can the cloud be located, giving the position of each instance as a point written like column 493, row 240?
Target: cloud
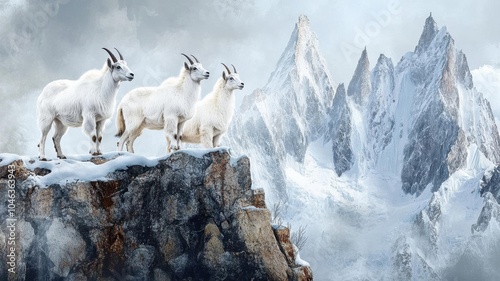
column 487, row 81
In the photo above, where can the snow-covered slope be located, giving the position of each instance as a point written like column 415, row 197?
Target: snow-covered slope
column 394, row 176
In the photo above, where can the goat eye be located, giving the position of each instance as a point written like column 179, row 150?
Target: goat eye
column 231, row 78
column 118, row 67
column 194, row 68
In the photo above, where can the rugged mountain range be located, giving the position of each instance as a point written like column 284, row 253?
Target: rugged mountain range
column 403, row 157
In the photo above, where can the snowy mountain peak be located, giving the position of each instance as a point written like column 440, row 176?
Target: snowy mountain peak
column 303, row 36
column 282, row 117
column 303, row 21
column 359, row 87
column 443, row 96
column 301, row 56
column 383, row 62
column 430, row 31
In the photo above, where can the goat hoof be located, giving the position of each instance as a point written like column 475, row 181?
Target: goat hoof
column 61, row 157
column 42, row 159
column 96, row 153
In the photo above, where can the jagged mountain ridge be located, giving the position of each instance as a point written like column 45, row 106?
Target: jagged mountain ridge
column 409, row 128
column 426, row 105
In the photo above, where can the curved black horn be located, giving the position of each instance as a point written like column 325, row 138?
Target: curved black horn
column 195, row 59
column 228, row 71
column 121, row 57
column 111, row 55
column 234, row 69
column 190, row 60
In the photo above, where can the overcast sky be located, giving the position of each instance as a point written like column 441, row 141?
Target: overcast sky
column 47, row 40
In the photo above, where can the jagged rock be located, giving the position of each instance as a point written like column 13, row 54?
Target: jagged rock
column 186, row 217
column 300, row 271
column 491, row 183
column 339, row 132
column 490, row 210
column 359, row 87
column 283, row 236
column 490, row 191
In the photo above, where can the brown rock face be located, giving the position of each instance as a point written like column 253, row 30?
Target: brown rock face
column 190, row 217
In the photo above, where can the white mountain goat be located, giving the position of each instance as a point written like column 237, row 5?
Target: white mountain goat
column 214, row 112
column 88, row 101
column 166, row 107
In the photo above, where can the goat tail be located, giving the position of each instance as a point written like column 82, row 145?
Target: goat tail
column 120, row 123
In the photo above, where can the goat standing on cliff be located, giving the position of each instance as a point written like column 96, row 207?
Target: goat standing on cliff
column 213, row 113
column 166, row 107
column 88, row 101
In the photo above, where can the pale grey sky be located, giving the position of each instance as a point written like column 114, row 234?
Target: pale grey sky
column 47, row 40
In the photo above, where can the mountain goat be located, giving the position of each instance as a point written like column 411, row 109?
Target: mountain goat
column 214, row 112
column 88, row 101
column 166, row 107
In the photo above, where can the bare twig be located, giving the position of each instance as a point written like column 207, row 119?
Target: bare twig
column 299, row 237
column 276, row 212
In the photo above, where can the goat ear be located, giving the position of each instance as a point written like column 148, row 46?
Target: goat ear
column 109, row 63
column 224, row 75
column 186, row 66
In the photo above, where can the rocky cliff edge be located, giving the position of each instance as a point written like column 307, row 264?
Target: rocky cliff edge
column 189, row 216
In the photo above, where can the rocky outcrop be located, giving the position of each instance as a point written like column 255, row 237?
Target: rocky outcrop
column 187, row 217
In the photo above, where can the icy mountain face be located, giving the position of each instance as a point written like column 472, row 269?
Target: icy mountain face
column 339, row 132
column 447, row 113
column 283, row 117
column 381, row 106
column 435, row 128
